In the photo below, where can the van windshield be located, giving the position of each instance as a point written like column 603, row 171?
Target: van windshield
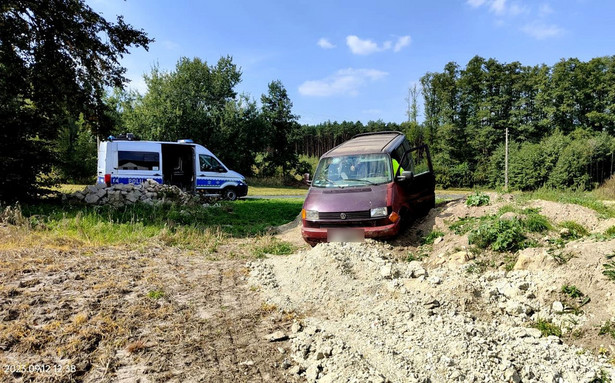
column 353, row 170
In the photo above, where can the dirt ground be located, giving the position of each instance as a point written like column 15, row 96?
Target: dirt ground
column 114, row 315
column 165, row 314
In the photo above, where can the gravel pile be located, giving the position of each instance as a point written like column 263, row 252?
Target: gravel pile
column 369, row 318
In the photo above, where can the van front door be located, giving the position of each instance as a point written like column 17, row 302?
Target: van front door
column 420, row 186
column 212, row 174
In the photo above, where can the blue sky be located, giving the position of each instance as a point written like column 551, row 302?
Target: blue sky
column 355, row 60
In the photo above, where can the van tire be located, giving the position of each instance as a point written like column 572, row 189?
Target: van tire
column 229, row 194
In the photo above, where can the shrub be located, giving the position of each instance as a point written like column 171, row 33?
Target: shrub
column 608, row 329
column 572, row 291
column 609, row 267
column 547, row 328
column 478, row 199
column 575, row 230
column 432, row 237
column 536, row 223
column 500, row 235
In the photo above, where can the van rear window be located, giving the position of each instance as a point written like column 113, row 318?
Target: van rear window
column 128, row 160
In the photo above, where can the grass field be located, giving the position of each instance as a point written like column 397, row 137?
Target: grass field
column 194, row 227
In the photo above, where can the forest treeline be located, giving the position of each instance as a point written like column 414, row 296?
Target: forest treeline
column 559, row 118
column 560, row 122
column 62, row 90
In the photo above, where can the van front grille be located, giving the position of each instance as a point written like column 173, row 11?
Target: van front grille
column 347, row 215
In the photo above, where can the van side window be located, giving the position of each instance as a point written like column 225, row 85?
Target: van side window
column 420, row 160
column 208, row 163
column 398, row 154
column 128, row 160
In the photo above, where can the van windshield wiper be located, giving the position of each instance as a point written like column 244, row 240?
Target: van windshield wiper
column 360, row 180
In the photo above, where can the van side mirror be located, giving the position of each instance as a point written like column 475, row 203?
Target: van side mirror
column 220, row 169
column 405, row 176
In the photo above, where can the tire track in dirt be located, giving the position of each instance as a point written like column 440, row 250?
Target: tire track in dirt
column 159, row 314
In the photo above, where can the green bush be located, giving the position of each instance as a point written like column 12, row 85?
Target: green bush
column 572, row 291
column 429, row 239
column 575, row 230
column 478, row 199
column 536, row 223
column 547, row 328
column 499, row 235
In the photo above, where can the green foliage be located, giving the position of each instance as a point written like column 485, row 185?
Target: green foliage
column 499, row 235
column 609, row 267
column 478, row 199
column 431, row 237
column 273, row 246
column 574, row 230
column 536, row 223
column 464, row 225
column 197, row 101
column 574, row 197
column 547, row 328
column 572, row 291
column 175, row 224
column 281, row 127
column 76, row 148
column 608, row 328
column 55, row 61
column 610, row 232
column 416, row 257
column 155, row 294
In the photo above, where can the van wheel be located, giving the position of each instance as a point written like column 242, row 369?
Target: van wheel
column 229, row 194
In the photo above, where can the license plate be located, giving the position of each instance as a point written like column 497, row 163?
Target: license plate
column 345, row 235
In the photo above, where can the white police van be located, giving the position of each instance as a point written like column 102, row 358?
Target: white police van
column 183, row 163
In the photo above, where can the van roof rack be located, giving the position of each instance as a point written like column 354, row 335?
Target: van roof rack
column 375, row 133
column 123, row 137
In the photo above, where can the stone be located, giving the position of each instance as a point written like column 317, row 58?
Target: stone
column 91, row 198
column 133, row 196
column 432, row 304
column 276, row 336
column 294, row 370
column 557, row 307
column 296, row 327
column 511, row 375
column 386, row 271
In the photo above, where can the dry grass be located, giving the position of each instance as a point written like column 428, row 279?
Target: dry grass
column 607, row 189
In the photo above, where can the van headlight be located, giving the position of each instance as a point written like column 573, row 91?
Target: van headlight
column 378, row 212
column 310, row 215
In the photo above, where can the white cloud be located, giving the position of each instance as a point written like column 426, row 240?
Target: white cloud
column 344, row 82
column 541, row 31
column 366, row 47
column 476, row 3
column 325, row 44
column 498, row 7
column 362, row 47
column 402, row 42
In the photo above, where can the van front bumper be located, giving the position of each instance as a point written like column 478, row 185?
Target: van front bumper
column 313, row 235
column 242, row 190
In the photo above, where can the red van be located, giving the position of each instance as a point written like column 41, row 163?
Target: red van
column 366, row 187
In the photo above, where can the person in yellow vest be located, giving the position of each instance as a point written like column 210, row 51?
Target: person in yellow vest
column 396, row 166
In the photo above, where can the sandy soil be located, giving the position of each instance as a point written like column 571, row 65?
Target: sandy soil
column 113, row 315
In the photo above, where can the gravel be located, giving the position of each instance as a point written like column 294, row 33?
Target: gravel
column 368, row 318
